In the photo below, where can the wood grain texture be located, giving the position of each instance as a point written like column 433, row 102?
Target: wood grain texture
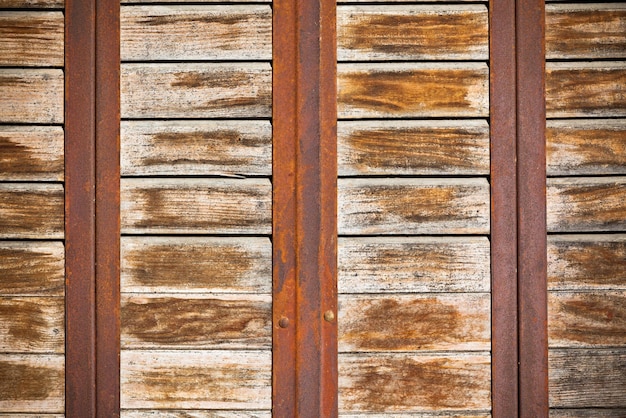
column 413, row 147
column 32, row 383
column 189, row 1
column 395, row 90
column 587, row 378
column 195, row 414
column 397, row 32
column 370, row 323
column 32, row 268
column 415, row 415
column 198, row 32
column 413, row 206
column 188, row 90
column 31, row 210
column 31, row 39
column 587, row 262
column 31, row 95
column 196, row 148
column 409, row 382
column 585, row 31
column 586, row 204
column 404, row 264
column 31, row 153
column 45, row 4
column 222, row 265
column 190, row 379
column 32, row 324
column 586, row 147
column 588, row 413
column 581, row 89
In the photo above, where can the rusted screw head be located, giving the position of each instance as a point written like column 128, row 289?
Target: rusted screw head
column 283, row 322
column 329, row 316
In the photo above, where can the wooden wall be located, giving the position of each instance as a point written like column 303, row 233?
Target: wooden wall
column 32, row 332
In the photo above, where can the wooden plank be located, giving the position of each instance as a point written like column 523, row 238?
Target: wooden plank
column 31, row 95
column 422, row 264
column 415, row 383
column 415, row 415
column 586, row 31
column 179, row 206
column 413, row 206
column 198, row 32
column 31, row 383
column 586, row 204
column 586, row 147
column 31, row 39
column 587, row 262
column 31, row 210
column 32, row 324
column 374, row 33
column 189, row 1
column 195, row 414
column 187, row 90
column 190, row 379
column 584, row 319
column 587, row 413
column 32, row 268
column 31, row 153
column 44, row 4
column 583, row 89
column 370, row 323
column 196, row 148
column 395, row 90
column 413, row 147
column 587, row 378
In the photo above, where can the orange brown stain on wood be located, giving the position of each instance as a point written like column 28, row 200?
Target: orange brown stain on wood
column 216, row 79
column 28, row 271
column 230, row 19
column 17, row 158
column 19, row 382
column 28, row 212
column 27, row 320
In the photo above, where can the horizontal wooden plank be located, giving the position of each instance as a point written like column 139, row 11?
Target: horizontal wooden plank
column 586, row 31
column 31, row 95
column 431, row 147
column 189, row 1
column 32, row 383
column 196, row 32
column 413, row 206
column 586, row 147
column 191, row 90
column 370, row 323
column 32, row 324
column 179, row 206
column 209, row 379
column 415, row 415
column 31, row 153
column 580, row 89
column 32, row 268
column 196, row 148
column 586, row 204
column 10, row 4
column 194, row 414
column 31, row 210
column 196, row 321
column 587, row 262
column 396, row 90
column 587, row 378
column 31, row 39
column 413, row 264
column 588, row 413
column 410, row 382
column 395, row 32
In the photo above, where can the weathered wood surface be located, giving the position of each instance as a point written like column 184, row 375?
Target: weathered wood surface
column 586, row 31
column 31, row 153
column 32, row 324
column 396, row 90
column 413, row 206
column 10, row 4
column 370, row 323
column 31, row 210
column 191, row 379
column 413, row 147
column 31, row 39
column 586, row 147
column 588, row 413
column 585, row 319
column 196, row 321
column 416, row 415
column 189, row 1
column 32, row 268
column 192, row 90
column 586, row 204
column 179, row 206
column 196, row 148
column 413, row 264
column 222, row 265
column 197, row 32
column 32, row 383
column 410, row 382
column 587, row 262
column 397, row 32
column 31, row 95
column 580, row 89
column 194, row 414
column 587, row 378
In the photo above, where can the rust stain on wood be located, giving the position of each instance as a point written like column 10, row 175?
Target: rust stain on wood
column 18, row 159
column 31, row 324
column 221, row 80
column 28, row 382
column 29, row 269
column 31, row 211
column 31, row 39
